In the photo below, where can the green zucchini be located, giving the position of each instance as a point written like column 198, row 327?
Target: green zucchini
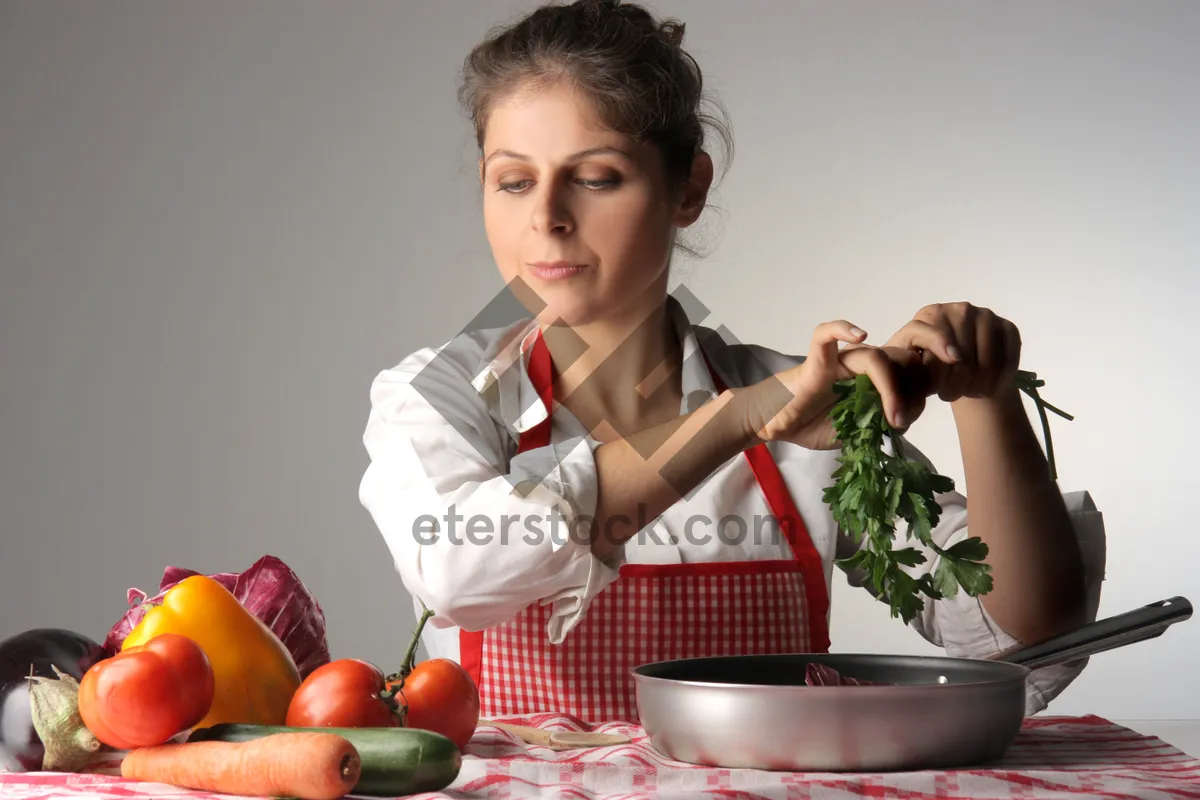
column 395, row 761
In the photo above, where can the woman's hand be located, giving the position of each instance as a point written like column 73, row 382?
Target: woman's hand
column 794, row 405
column 968, row 351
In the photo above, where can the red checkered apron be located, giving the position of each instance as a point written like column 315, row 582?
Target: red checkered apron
column 651, row 612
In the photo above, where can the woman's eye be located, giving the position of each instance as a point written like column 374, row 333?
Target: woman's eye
column 512, row 186
column 595, row 184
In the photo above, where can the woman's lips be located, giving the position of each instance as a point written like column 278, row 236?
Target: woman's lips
column 556, row 270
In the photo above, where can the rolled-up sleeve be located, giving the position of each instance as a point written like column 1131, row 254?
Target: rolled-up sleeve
column 962, row 625
column 476, row 535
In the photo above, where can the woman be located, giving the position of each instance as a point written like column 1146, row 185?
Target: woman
column 584, row 489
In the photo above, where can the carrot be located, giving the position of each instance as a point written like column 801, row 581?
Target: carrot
column 304, row 765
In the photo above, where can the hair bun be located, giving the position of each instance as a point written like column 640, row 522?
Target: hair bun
column 672, row 31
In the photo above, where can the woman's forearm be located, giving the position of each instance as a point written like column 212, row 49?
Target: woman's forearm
column 642, row 475
column 1018, row 511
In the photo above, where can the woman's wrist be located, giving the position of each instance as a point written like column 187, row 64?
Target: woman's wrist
column 1006, row 407
column 756, row 406
column 717, row 431
column 744, row 410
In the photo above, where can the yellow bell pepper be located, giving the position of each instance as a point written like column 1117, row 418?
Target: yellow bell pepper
column 255, row 675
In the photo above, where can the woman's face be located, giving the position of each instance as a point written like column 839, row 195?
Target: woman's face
column 582, row 215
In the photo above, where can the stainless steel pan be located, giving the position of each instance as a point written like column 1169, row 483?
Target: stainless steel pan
column 933, row 712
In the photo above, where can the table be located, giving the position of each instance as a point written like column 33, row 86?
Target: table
column 1055, row 757
column 1182, row 733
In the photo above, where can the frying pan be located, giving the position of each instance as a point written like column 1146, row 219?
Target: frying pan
column 933, row 713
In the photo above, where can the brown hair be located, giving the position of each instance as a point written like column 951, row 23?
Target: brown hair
column 632, row 67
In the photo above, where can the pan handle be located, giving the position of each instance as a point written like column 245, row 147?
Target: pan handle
column 1143, row 623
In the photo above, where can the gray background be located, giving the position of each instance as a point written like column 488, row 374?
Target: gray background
column 219, row 220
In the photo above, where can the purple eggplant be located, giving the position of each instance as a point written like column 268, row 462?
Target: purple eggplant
column 33, row 652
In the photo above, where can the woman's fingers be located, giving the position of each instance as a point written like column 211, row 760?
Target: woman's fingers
column 999, row 352
column 1012, row 351
column 944, row 354
column 805, row 393
column 918, row 335
column 828, row 360
column 877, row 366
column 823, row 351
column 958, row 382
column 915, row 381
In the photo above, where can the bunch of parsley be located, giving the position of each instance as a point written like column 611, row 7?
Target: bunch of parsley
column 872, row 489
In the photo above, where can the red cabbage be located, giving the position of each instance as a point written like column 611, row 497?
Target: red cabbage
column 270, row 590
column 822, row 675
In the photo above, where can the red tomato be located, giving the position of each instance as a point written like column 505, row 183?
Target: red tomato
column 440, row 697
column 342, row 694
column 144, row 695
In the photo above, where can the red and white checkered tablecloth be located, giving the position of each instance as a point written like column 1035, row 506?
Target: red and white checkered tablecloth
column 1054, row 757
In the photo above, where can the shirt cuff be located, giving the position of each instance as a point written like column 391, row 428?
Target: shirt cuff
column 569, row 608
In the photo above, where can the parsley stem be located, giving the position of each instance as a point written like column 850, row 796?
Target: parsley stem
column 1028, row 382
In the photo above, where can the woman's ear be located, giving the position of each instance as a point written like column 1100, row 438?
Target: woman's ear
column 694, row 193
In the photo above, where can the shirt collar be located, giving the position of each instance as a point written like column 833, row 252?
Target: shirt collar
column 505, row 385
column 695, row 379
column 504, row 381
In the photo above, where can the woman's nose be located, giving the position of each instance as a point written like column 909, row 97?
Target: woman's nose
column 551, row 212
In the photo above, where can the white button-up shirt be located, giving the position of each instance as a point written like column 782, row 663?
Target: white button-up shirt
column 477, row 532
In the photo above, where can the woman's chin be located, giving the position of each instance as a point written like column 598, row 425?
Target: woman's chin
column 556, row 302
column 572, row 313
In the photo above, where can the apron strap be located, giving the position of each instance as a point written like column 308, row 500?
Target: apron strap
column 541, row 374
column 812, row 566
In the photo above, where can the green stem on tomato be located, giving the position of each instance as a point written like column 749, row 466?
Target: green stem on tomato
column 406, row 666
